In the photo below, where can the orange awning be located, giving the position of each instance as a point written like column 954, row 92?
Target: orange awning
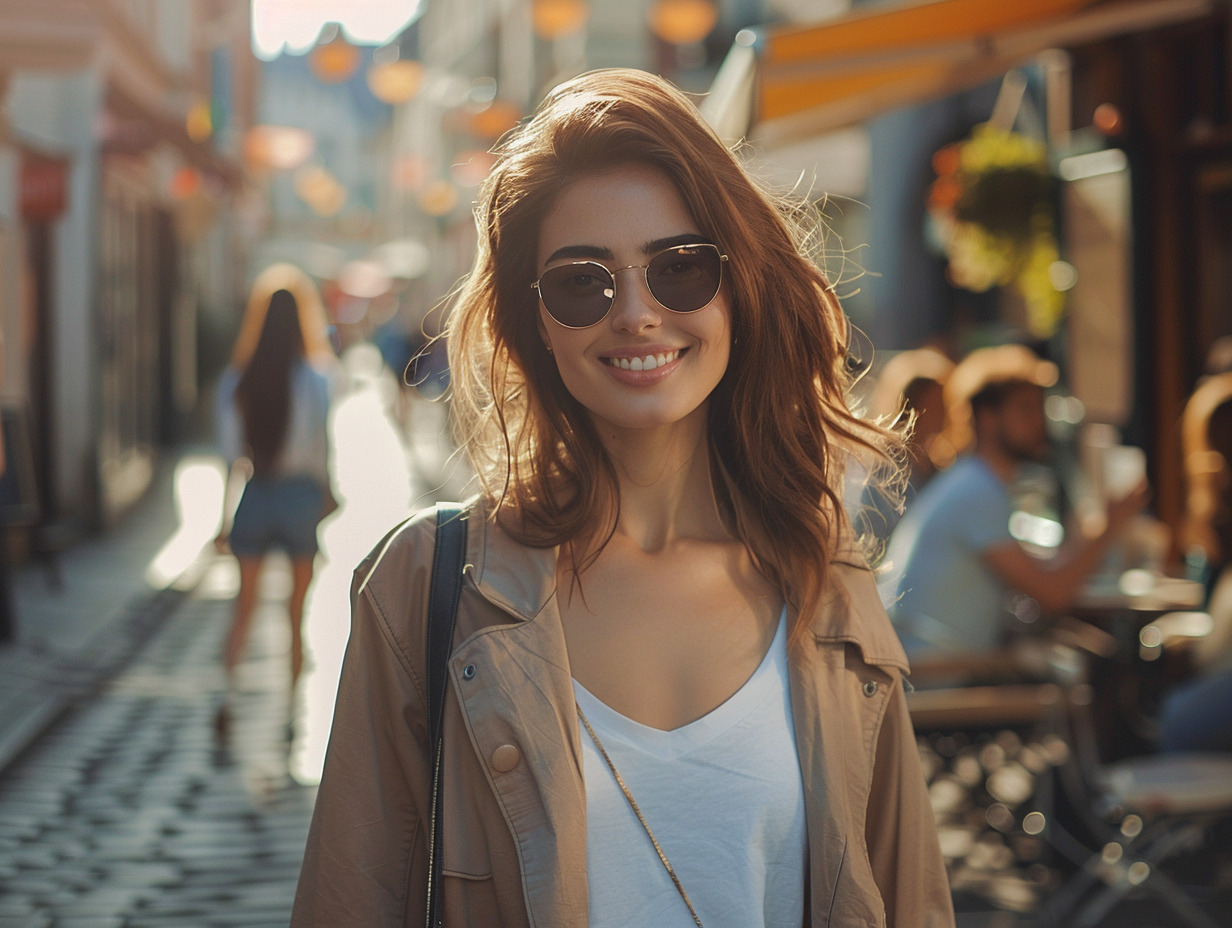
column 785, row 83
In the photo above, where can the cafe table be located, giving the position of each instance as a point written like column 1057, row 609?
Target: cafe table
column 1139, row 611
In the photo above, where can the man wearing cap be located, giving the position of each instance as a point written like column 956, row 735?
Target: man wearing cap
column 951, row 561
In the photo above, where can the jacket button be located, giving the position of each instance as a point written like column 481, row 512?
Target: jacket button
column 870, row 687
column 468, row 672
column 505, row 758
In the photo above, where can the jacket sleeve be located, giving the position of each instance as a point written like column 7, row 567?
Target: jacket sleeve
column 366, row 856
column 901, row 831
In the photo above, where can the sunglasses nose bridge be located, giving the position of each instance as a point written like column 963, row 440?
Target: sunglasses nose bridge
column 644, row 268
column 634, row 312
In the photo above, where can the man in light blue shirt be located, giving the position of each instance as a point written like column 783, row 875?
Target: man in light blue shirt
column 951, row 561
column 948, row 598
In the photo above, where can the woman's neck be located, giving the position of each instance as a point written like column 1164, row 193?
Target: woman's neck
column 666, row 488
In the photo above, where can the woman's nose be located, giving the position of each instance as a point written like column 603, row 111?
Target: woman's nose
column 634, row 308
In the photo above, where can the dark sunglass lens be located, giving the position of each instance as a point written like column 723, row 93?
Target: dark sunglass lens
column 577, row 295
column 686, row 278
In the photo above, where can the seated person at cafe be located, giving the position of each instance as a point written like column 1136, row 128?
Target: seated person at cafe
column 1206, row 435
column 951, row 563
column 911, row 383
column 1197, row 714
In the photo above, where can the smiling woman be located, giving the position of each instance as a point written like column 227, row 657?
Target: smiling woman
column 608, row 337
column 676, row 697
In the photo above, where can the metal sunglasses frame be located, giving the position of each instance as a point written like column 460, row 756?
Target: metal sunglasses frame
column 645, row 268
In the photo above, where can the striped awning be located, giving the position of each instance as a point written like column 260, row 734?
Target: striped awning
column 785, row 83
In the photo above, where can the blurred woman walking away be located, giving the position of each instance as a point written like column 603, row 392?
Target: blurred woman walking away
column 272, row 408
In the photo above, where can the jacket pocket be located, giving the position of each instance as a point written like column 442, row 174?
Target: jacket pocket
column 465, row 853
column 468, row 891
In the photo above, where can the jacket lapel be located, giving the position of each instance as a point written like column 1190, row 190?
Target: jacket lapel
column 840, row 687
column 516, row 691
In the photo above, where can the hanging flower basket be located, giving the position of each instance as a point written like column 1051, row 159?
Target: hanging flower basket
column 993, row 216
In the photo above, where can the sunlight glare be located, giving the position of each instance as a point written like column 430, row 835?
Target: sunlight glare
column 372, row 481
column 199, row 485
column 293, row 25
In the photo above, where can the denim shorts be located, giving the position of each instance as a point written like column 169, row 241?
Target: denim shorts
column 278, row 513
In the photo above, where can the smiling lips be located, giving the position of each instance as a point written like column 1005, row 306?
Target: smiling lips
column 647, row 363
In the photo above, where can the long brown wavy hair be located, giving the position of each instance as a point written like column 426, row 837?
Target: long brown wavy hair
column 780, row 427
column 263, row 394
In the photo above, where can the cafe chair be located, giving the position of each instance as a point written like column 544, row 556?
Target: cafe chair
column 1021, row 662
column 1205, row 456
column 983, row 724
column 1130, row 818
column 967, row 708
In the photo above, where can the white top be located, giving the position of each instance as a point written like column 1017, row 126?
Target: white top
column 723, row 796
column 306, row 449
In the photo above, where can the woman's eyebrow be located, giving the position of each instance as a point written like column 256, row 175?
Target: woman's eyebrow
column 581, row 251
column 683, row 238
column 601, row 253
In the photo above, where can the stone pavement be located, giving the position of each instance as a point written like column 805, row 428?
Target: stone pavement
column 126, row 813
column 116, row 806
column 79, row 619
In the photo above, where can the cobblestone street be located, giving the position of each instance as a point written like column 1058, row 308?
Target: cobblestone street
column 117, row 807
column 126, row 814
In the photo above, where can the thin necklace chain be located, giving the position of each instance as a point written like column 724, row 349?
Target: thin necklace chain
column 638, row 812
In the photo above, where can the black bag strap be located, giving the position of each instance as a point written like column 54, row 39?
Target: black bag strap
column 446, row 586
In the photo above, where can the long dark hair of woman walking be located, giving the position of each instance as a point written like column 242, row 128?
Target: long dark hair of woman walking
column 264, row 390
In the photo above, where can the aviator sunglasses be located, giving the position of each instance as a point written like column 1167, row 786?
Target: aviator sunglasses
column 682, row 278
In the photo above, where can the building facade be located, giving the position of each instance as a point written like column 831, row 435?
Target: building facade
column 119, row 242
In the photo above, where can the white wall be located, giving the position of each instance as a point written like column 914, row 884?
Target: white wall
column 13, row 378
column 174, row 33
column 58, row 113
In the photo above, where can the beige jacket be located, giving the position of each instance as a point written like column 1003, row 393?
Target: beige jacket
column 514, row 802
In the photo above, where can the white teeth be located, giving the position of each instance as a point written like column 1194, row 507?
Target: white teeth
column 648, row 363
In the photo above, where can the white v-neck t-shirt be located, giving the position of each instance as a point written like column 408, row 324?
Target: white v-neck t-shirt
column 723, row 796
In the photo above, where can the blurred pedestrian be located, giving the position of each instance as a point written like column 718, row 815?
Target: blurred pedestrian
column 272, row 408
column 1197, row 714
column 1206, row 433
column 676, row 698
column 952, row 561
column 910, row 387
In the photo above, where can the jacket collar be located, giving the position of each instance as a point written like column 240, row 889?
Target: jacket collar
column 521, row 579
column 849, row 605
column 518, row 578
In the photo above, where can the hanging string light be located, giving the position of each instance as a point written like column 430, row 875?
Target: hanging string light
column 199, row 123
column 278, row 148
column 438, row 198
column 471, row 166
column 555, row 19
column 392, row 79
column 317, row 187
column 333, row 59
column 683, row 22
column 495, row 119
